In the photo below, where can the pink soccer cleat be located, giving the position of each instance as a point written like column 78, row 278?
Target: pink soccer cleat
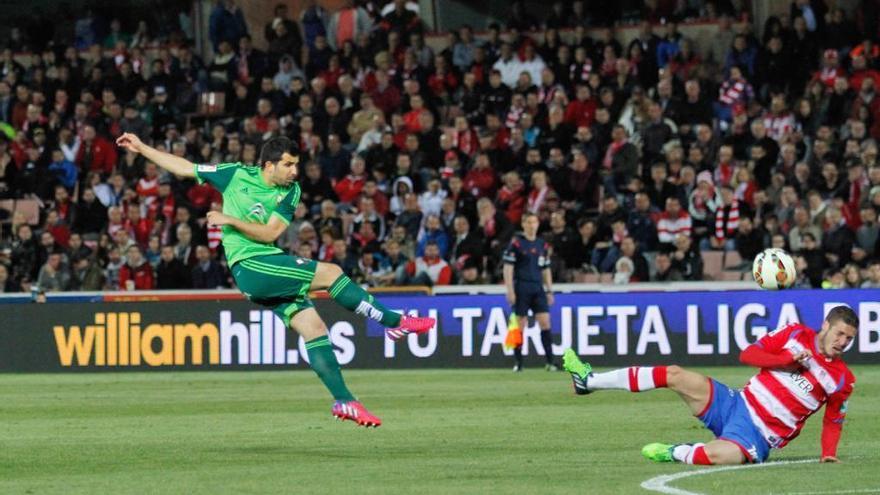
column 355, row 411
column 410, row 324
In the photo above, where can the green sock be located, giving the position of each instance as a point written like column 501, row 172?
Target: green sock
column 324, row 363
column 352, row 297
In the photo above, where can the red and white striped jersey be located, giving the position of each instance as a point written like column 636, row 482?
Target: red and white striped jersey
column 779, row 402
column 779, row 126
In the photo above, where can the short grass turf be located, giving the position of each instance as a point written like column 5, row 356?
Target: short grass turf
column 445, row 431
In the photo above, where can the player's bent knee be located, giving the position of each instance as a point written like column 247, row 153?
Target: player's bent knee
column 326, row 274
column 674, row 375
column 722, row 452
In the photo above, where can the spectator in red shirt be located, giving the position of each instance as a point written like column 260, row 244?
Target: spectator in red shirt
column 480, row 180
column 581, row 110
column 95, row 153
column 136, row 273
column 385, row 95
column 349, row 188
column 429, row 269
column 148, row 186
column 512, row 197
column 411, row 118
column 380, row 200
column 141, row 226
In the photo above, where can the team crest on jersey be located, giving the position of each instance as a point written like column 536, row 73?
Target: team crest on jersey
column 258, row 211
column 278, row 199
column 206, row 168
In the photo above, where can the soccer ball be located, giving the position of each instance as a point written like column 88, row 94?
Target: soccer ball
column 774, row 269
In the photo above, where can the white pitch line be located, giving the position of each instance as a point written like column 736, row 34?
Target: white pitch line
column 658, row 483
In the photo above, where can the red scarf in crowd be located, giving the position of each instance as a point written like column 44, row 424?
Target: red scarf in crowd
column 732, row 221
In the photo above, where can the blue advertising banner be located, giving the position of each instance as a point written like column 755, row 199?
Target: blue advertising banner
column 610, row 329
column 623, row 328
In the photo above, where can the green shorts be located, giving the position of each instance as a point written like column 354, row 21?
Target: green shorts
column 278, row 281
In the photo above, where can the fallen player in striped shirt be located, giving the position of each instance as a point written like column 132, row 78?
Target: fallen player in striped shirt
column 800, row 370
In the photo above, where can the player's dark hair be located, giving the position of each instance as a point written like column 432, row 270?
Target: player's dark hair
column 844, row 314
column 274, row 148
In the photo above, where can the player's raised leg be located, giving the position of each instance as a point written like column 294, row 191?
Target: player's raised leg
column 323, row 361
column 354, row 298
column 693, row 388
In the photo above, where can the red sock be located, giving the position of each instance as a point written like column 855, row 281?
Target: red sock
column 640, row 379
column 659, row 374
column 700, row 457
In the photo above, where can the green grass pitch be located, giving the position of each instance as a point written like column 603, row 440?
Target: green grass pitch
column 445, row 431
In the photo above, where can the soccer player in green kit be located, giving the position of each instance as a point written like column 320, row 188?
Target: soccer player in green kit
column 258, row 204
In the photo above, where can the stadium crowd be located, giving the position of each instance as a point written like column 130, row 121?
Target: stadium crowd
column 417, row 164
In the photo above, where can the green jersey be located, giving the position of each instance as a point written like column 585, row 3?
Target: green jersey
column 246, row 196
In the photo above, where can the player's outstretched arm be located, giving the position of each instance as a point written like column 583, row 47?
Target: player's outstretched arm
column 759, row 357
column 266, row 233
column 178, row 166
column 832, row 422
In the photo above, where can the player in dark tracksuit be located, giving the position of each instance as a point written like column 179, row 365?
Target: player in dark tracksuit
column 529, row 282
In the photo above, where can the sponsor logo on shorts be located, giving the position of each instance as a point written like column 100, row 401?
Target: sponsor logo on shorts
column 206, row 168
